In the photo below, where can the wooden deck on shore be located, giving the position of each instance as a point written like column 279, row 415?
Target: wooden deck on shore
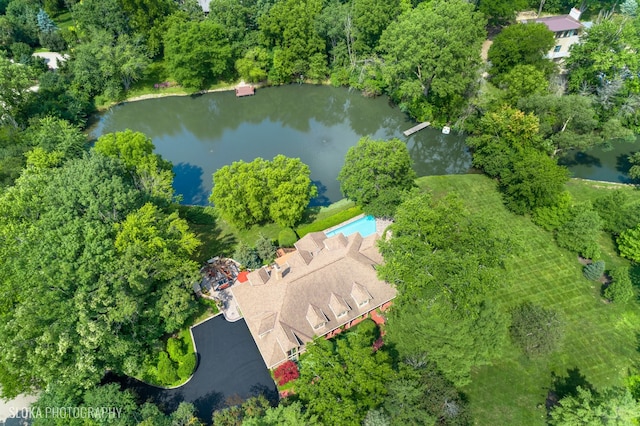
column 245, row 90
column 416, row 128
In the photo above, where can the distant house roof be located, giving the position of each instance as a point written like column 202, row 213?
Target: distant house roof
column 560, row 23
column 327, row 283
column 204, row 4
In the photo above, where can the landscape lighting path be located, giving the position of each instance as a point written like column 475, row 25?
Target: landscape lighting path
column 229, row 365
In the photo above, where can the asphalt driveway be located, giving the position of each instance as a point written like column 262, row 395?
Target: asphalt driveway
column 229, row 366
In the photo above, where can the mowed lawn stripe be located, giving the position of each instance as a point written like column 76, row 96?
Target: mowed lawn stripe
column 600, row 339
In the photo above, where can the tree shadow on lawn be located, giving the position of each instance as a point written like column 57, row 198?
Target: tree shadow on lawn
column 203, row 221
column 562, row 386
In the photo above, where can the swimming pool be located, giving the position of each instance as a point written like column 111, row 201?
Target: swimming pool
column 365, row 226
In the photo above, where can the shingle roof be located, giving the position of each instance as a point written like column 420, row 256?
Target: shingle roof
column 560, row 23
column 332, row 279
column 360, row 294
column 337, row 305
column 315, row 316
column 313, row 242
column 267, row 323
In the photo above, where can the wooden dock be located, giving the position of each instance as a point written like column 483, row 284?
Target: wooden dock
column 245, row 90
column 416, row 128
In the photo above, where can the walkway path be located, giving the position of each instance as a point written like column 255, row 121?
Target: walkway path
column 228, row 305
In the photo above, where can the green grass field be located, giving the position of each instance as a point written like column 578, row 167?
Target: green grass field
column 219, row 238
column 601, row 339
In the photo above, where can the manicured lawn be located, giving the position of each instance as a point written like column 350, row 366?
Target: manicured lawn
column 600, row 339
column 583, row 190
column 220, row 238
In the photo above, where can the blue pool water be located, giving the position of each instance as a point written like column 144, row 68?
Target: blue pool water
column 365, row 226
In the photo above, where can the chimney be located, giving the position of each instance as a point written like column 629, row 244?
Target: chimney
column 575, row 13
column 279, row 271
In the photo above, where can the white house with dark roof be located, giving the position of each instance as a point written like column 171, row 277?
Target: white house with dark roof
column 567, row 30
column 327, row 284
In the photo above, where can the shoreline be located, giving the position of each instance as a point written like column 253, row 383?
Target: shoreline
column 226, row 88
column 146, row 96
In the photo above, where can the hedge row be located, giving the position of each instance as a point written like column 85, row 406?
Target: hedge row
column 328, row 222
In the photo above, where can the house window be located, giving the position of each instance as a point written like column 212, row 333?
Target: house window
column 292, row 352
column 341, row 314
column 322, row 324
column 361, row 304
column 556, row 49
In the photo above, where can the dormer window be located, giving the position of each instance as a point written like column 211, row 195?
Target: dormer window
column 319, row 326
column 338, row 305
column 317, row 319
column 363, row 303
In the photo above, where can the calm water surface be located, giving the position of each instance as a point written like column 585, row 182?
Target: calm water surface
column 599, row 164
column 315, row 123
column 318, row 124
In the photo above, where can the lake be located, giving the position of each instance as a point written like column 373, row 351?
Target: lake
column 318, row 124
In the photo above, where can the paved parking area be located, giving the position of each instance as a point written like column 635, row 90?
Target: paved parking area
column 229, row 366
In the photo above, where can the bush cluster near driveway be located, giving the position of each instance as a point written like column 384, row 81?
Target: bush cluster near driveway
column 599, row 339
column 174, row 365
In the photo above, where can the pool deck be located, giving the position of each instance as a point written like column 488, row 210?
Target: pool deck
column 381, row 224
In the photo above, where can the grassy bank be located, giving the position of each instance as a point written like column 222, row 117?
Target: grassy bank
column 220, row 238
column 600, row 342
column 157, row 73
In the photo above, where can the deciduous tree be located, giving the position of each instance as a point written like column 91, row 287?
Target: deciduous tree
column 620, row 289
column 432, row 53
column 614, row 406
column 250, row 193
column 521, row 44
column 15, row 81
column 535, row 329
column 322, row 378
column 535, row 180
column 500, row 135
column 377, row 168
column 298, row 50
column 580, row 234
column 196, row 53
column 629, row 243
column 151, row 173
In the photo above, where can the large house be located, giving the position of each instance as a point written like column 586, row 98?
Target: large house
column 327, row 284
column 567, row 30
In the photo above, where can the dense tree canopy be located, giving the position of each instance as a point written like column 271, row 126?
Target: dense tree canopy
column 197, row 53
column 250, row 193
column 612, row 406
column 373, row 169
column 107, row 275
column 151, row 174
column 444, row 263
column 432, row 55
column 326, row 366
column 298, row 50
column 524, row 44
